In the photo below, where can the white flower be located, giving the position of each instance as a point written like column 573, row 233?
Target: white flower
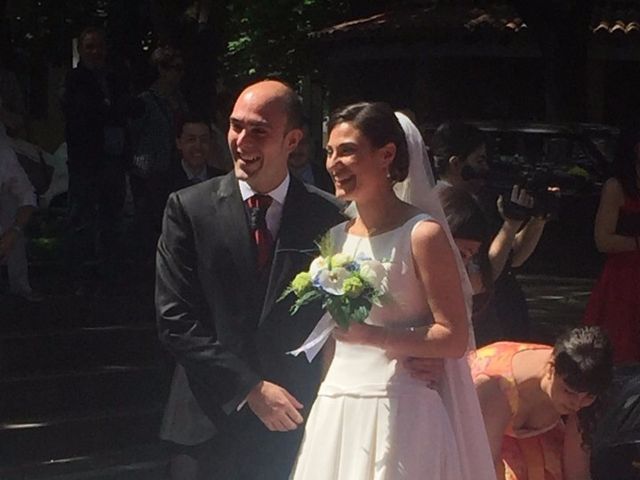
column 340, row 260
column 374, row 273
column 331, row 281
column 318, row 264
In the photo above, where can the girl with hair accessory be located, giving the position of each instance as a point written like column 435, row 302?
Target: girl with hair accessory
column 372, row 420
column 470, row 231
column 540, row 403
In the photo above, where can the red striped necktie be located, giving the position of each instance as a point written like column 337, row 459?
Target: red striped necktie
column 258, row 206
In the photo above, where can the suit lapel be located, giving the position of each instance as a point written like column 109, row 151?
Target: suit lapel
column 293, row 241
column 236, row 231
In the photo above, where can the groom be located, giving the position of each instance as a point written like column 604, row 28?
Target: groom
column 229, row 247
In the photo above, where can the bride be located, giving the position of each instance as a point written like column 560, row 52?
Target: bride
column 372, row 420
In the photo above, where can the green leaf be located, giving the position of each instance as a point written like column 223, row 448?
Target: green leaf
column 310, row 296
column 285, row 293
column 325, row 245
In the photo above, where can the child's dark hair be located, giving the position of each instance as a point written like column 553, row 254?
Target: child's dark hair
column 467, row 220
column 191, row 117
column 583, row 358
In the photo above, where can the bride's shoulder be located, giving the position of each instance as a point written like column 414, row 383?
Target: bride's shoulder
column 426, row 228
column 429, row 240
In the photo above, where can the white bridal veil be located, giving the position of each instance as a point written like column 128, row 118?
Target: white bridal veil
column 456, row 389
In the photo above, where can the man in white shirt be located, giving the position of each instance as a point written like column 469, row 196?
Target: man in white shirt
column 17, row 203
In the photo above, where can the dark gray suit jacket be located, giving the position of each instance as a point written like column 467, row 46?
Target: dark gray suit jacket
column 218, row 317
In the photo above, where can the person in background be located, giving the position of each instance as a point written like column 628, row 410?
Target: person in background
column 540, row 403
column 193, row 142
column 471, row 233
column 460, row 155
column 303, row 167
column 615, row 300
column 155, row 154
column 12, row 105
column 97, row 106
column 17, row 204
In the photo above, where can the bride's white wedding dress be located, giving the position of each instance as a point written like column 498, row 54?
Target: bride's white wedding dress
column 371, row 419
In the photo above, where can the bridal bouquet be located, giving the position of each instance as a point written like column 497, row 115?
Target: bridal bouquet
column 347, row 287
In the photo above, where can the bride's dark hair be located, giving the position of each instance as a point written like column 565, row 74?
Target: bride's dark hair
column 583, row 358
column 378, row 122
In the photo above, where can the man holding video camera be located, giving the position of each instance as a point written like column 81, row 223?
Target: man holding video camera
column 460, row 156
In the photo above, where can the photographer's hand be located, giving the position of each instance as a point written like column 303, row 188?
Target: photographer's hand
column 517, row 207
column 514, row 210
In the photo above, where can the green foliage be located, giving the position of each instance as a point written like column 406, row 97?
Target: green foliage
column 310, row 296
column 272, row 38
column 254, row 38
column 345, row 310
column 325, row 246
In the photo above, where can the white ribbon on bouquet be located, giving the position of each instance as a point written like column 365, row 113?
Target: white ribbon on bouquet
column 316, row 339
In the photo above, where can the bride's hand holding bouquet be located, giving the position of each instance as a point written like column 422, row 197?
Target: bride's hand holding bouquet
column 348, row 289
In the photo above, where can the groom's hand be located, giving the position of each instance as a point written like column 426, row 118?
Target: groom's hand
column 275, row 407
column 429, row 370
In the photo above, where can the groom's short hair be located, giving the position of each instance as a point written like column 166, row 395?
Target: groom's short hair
column 292, row 103
column 293, row 107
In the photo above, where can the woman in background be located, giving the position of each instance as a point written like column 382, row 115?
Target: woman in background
column 154, row 135
column 540, row 403
column 615, row 300
column 460, row 154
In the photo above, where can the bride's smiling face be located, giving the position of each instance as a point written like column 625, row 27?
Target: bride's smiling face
column 357, row 168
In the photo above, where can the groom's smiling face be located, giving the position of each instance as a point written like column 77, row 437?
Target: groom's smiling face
column 260, row 138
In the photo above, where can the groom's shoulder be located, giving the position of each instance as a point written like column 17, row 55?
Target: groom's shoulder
column 194, row 196
column 324, row 200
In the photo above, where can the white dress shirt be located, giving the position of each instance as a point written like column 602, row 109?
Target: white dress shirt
column 13, row 181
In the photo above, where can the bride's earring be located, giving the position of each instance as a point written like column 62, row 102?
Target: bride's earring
column 390, row 179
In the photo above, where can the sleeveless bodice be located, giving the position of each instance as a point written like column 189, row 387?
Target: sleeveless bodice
column 362, row 369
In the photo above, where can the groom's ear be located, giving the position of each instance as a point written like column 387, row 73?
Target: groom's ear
column 292, row 138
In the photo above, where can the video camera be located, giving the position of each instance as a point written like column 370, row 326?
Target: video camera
column 542, row 182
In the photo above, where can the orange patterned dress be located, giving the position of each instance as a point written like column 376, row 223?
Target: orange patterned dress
column 527, row 455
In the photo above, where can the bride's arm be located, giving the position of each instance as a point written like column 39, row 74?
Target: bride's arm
column 437, row 270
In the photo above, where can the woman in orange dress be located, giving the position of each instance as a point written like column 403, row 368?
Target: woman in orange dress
column 540, row 403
